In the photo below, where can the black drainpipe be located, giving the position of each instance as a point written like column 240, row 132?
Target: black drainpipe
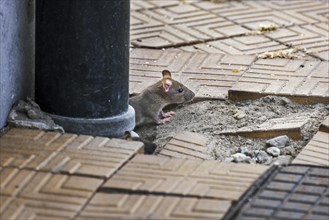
column 82, row 65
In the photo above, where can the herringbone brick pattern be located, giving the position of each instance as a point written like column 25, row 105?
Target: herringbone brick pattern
column 305, row 82
column 65, row 153
column 178, row 25
column 133, row 206
column 242, row 45
column 30, row 194
column 314, row 38
column 226, row 28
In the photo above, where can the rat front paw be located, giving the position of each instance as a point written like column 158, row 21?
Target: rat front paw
column 167, row 114
column 163, row 121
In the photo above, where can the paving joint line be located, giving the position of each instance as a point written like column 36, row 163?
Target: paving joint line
column 148, row 193
column 87, row 202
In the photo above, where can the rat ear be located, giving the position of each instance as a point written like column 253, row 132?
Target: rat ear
column 166, row 74
column 166, row 83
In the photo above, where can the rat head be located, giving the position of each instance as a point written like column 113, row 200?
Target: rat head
column 174, row 91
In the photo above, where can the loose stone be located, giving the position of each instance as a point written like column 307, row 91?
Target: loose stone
column 283, row 160
column 263, row 157
column 273, row 151
column 240, row 158
column 279, row 142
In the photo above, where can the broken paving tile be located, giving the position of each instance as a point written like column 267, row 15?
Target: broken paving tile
column 316, row 152
column 176, row 176
column 146, row 206
column 290, row 126
column 305, row 82
column 186, row 145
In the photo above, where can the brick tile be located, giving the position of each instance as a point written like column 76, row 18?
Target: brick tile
column 66, row 153
column 42, row 186
column 34, row 151
column 290, row 126
column 130, row 206
column 186, row 145
column 37, row 210
column 208, row 179
column 93, row 156
column 31, row 139
column 316, row 152
column 28, row 194
column 14, row 180
column 305, row 82
column 317, row 11
column 292, row 5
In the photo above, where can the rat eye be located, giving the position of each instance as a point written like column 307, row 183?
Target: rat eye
column 180, row 90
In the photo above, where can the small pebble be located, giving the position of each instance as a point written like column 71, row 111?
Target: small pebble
column 273, row 151
column 290, row 150
column 240, row 158
column 283, row 160
column 263, row 157
column 228, row 159
column 285, row 101
column 245, row 151
column 279, row 142
column 33, row 114
column 239, row 115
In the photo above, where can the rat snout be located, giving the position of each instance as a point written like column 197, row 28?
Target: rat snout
column 189, row 95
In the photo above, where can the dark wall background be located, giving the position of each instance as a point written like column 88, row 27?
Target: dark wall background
column 16, row 53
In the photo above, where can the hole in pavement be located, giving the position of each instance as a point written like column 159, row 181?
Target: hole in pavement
column 210, row 118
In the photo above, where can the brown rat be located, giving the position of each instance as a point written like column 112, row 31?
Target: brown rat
column 149, row 103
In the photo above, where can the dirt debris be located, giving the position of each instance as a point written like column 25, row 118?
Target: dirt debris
column 211, row 117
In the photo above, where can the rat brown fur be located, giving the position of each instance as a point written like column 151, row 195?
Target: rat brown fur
column 149, row 103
